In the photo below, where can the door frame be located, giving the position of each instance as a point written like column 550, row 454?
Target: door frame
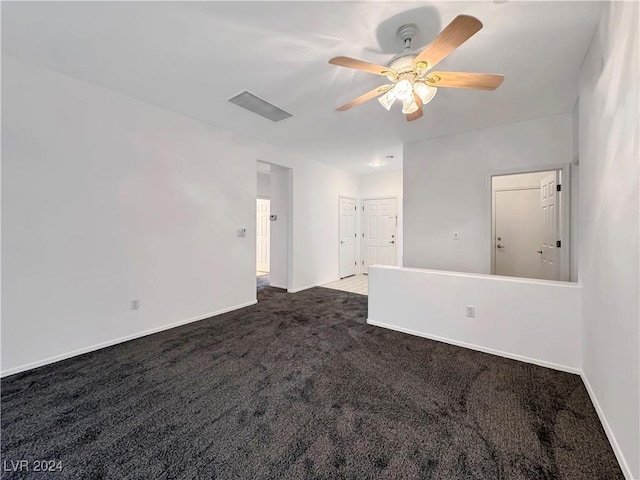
column 564, row 211
column 395, row 245
column 356, row 254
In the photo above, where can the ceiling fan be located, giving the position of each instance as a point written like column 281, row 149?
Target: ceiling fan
column 412, row 82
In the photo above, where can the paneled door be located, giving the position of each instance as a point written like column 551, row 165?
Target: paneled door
column 519, row 233
column 348, row 237
column 263, row 237
column 379, row 232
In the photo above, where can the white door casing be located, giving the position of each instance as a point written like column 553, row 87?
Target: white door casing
column 379, row 232
column 550, row 219
column 263, row 247
column 348, row 237
column 518, row 233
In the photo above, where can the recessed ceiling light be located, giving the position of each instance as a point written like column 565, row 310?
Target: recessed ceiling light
column 376, row 163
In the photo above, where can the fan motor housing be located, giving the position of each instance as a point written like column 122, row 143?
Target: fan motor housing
column 403, row 62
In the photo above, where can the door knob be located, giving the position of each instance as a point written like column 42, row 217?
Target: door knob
column 392, row 241
column 539, row 251
column 341, row 242
column 500, row 245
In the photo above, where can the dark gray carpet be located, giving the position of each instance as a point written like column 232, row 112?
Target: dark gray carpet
column 300, row 387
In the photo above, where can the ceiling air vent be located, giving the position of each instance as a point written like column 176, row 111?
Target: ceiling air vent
column 257, row 105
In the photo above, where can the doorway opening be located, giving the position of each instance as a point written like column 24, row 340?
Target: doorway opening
column 263, row 227
column 274, row 212
column 263, row 241
column 529, row 225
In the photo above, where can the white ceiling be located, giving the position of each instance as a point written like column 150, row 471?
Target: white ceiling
column 192, row 57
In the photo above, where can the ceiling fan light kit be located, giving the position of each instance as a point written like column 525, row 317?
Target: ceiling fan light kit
column 409, row 105
column 424, row 91
column 387, row 99
column 412, row 83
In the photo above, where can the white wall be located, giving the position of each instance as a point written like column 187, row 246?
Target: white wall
column 385, row 184
column 609, row 227
column 531, row 320
column 106, row 199
column 264, row 185
column 446, row 188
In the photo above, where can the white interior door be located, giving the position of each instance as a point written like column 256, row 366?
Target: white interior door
column 518, row 233
column 263, row 239
column 347, row 237
column 379, row 232
column 551, row 222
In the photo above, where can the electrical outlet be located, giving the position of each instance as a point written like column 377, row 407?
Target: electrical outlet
column 135, row 304
column 471, row 311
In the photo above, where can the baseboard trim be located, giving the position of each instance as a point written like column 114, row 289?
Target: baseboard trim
column 471, row 346
column 624, row 466
column 277, row 286
column 296, row 290
column 109, row 343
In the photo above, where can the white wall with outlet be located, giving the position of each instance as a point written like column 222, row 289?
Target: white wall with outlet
column 446, row 188
column 609, row 226
column 531, row 320
column 381, row 185
column 124, row 200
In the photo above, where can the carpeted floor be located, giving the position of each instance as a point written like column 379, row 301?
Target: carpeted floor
column 296, row 387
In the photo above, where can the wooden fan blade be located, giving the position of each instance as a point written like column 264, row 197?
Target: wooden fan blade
column 363, row 98
column 480, row 81
column 461, row 29
column 418, row 113
column 362, row 65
